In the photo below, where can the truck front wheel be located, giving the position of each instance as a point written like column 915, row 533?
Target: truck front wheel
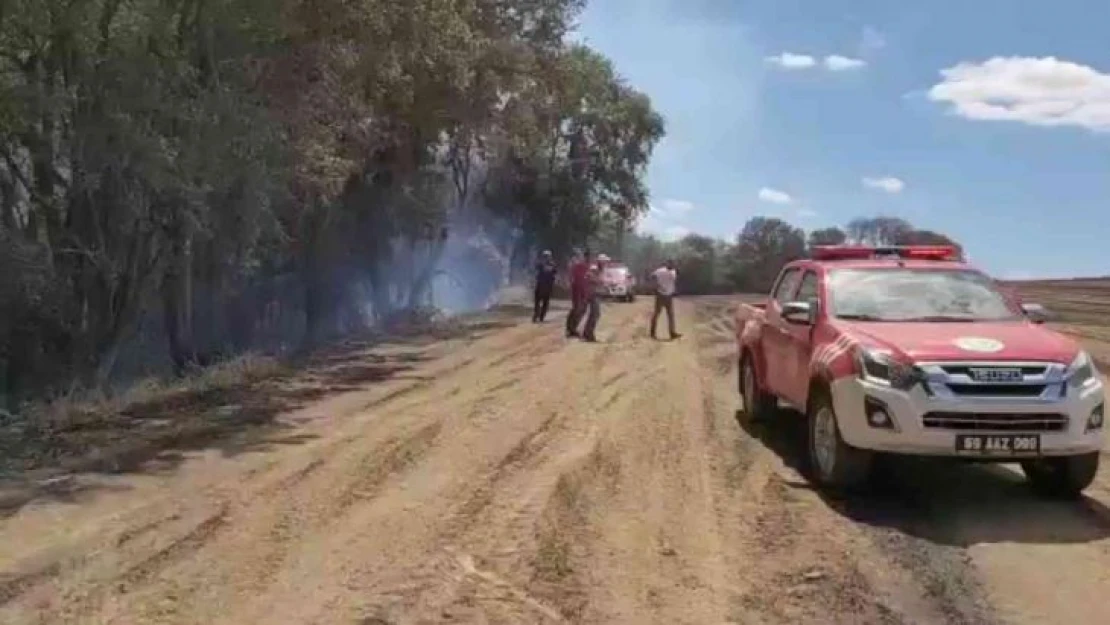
column 833, row 463
column 758, row 404
column 1065, row 477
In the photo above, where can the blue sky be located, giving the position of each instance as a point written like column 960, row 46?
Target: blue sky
column 985, row 119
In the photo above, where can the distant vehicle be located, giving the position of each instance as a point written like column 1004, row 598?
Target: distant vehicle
column 618, row 281
column 908, row 350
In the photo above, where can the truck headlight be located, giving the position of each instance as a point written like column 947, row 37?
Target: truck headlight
column 1094, row 422
column 879, row 366
column 1081, row 372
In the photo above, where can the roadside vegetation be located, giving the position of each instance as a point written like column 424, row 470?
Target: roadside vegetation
column 750, row 262
column 182, row 181
column 186, row 182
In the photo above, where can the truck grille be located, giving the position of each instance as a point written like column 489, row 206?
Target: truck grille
column 997, row 390
column 996, row 422
column 1026, row 370
column 993, row 381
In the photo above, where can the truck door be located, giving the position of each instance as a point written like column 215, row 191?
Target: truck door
column 776, row 334
column 799, row 346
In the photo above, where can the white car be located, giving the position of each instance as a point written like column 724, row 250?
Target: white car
column 619, row 283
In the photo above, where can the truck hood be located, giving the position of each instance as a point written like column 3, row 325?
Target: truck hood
column 616, row 276
column 975, row 341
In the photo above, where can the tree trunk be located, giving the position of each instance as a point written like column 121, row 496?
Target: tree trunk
column 422, row 282
column 319, row 303
column 177, row 305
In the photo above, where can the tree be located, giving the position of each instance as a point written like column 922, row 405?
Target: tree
column 696, row 259
column 227, row 175
column 763, row 246
column 877, row 230
column 827, row 236
column 928, row 237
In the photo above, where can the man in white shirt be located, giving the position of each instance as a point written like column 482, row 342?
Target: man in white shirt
column 664, row 279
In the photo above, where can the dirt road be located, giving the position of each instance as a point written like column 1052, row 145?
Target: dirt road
column 510, row 476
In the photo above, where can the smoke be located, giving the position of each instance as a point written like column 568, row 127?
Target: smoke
column 476, row 263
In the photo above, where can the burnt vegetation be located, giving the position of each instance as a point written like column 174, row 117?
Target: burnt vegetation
column 182, row 181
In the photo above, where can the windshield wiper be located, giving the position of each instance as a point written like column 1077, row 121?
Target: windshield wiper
column 854, row 317
column 940, row 319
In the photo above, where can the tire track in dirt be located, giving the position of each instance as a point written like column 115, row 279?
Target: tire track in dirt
column 202, row 533
column 456, row 424
column 404, row 453
column 364, row 476
column 528, row 479
column 496, row 525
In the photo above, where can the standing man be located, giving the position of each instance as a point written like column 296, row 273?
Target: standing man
column 593, row 299
column 545, row 282
column 578, row 270
column 664, row 279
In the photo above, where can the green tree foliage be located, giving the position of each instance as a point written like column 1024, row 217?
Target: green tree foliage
column 826, row 236
column 762, row 247
column 752, row 261
column 233, row 174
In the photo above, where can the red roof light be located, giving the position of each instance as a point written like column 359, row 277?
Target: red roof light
column 867, row 252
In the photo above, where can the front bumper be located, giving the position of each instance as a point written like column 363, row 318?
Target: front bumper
column 616, row 291
column 915, row 429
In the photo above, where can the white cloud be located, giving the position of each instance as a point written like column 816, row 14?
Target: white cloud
column 837, row 63
column 774, row 196
column 789, row 60
column 806, row 213
column 832, row 62
column 1037, row 91
column 888, row 184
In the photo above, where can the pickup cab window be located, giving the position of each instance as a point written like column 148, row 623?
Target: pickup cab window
column 916, row 295
column 808, row 290
column 787, row 283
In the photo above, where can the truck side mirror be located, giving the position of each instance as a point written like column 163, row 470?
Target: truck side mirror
column 799, row 313
column 1035, row 312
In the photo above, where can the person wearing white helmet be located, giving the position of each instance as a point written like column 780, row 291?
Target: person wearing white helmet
column 593, row 301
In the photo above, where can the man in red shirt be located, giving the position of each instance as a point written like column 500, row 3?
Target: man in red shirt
column 578, row 291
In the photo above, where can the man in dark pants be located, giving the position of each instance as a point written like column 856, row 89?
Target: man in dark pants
column 545, row 282
column 578, row 270
column 664, row 279
column 593, row 298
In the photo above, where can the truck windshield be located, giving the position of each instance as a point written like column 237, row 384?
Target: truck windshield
column 916, row 295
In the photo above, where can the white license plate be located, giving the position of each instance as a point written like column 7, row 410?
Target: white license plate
column 998, row 444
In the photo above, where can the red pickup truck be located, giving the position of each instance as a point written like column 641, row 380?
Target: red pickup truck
column 908, row 350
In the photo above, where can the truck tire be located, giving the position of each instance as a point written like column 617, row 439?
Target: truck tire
column 833, row 464
column 759, row 405
column 1065, row 477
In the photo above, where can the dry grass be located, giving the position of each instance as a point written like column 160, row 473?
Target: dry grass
column 93, row 431
column 231, row 408
column 1080, row 308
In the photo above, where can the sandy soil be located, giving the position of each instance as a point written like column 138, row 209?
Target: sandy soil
column 510, row 476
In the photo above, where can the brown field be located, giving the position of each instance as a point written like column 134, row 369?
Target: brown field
column 499, row 474
column 1079, row 307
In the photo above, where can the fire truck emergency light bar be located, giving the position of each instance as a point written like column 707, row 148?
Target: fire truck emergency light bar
column 867, row 252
